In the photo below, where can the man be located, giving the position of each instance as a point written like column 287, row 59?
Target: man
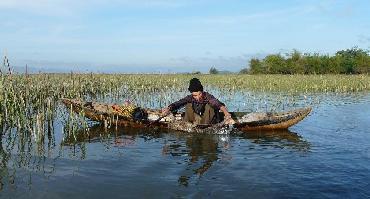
column 200, row 107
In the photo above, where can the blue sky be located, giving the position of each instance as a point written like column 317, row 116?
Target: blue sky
column 174, row 35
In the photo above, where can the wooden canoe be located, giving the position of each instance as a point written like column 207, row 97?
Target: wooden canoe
column 104, row 113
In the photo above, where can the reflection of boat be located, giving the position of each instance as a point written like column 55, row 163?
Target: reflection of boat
column 98, row 132
column 278, row 139
column 103, row 112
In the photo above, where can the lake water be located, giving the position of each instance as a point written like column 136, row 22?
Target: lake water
column 327, row 155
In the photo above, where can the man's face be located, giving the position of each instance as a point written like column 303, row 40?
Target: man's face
column 197, row 95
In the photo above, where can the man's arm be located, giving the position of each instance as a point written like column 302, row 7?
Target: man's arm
column 176, row 105
column 227, row 115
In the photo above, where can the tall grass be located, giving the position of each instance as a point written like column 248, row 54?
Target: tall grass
column 27, row 101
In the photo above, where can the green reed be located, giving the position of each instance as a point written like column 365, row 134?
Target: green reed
column 29, row 102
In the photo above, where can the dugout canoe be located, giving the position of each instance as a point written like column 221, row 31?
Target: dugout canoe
column 104, row 113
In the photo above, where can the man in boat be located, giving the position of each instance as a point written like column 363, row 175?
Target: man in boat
column 200, row 107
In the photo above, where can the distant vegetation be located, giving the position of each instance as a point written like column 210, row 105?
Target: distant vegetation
column 350, row 61
column 213, row 70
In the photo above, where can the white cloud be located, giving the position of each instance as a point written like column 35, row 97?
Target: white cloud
column 150, row 3
column 68, row 6
column 240, row 19
column 336, row 8
column 276, row 15
column 41, row 7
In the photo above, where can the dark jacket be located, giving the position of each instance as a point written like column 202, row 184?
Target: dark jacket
column 206, row 99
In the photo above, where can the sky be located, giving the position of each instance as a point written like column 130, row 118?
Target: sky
column 173, row 35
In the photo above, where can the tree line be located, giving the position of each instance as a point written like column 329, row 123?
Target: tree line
column 350, row 61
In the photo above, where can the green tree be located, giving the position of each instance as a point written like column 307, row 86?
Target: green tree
column 276, row 64
column 295, row 62
column 350, row 61
column 255, row 66
column 353, row 60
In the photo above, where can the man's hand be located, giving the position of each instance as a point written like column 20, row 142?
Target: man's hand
column 228, row 120
column 227, row 116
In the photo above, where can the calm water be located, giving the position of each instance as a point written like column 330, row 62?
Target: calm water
column 327, row 155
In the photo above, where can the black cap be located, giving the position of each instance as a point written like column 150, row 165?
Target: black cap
column 195, row 85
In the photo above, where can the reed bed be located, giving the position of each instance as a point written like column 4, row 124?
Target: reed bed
column 29, row 102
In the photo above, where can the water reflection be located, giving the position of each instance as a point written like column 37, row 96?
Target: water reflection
column 198, row 152
column 4, row 158
column 277, row 139
column 203, row 151
column 22, row 154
